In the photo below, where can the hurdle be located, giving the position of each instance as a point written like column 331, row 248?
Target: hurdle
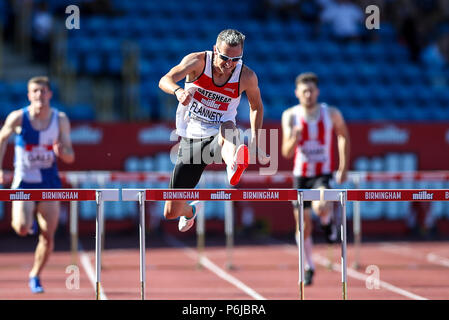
column 223, row 195
column 400, row 176
column 98, row 195
column 376, row 195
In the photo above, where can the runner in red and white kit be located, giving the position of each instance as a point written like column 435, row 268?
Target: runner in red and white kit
column 205, row 117
column 307, row 134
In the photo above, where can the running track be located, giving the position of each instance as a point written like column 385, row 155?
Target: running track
column 264, row 269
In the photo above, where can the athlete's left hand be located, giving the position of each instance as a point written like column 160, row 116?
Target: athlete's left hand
column 57, row 149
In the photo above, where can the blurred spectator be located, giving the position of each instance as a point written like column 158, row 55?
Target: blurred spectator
column 344, row 17
column 410, row 35
column 42, row 25
column 416, row 22
column 436, row 54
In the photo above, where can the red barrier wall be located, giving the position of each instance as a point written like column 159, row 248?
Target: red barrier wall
column 105, row 146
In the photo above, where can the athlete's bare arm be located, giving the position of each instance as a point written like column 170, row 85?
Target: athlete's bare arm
column 341, row 130
column 249, row 83
column 190, row 68
column 12, row 122
column 290, row 134
column 63, row 148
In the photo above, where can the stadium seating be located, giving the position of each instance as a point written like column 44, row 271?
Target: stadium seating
column 354, row 76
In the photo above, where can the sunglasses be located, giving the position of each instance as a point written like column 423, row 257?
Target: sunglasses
column 226, row 58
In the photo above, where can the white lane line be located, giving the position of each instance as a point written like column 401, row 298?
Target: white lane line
column 363, row 277
column 354, row 274
column 434, row 258
column 85, row 262
column 215, row 269
column 406, row 251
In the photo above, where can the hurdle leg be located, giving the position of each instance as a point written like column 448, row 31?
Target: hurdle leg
column 343, row 197
column 74, row 231
column 142, row 243
column 357, row 227
column 102, row 228
column 98, row 236
column 330, row 248
column 229, row 230
column 200, row 235
column 301, row 244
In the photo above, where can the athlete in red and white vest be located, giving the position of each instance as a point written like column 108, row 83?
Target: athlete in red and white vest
column 308, row 130
column 211, row 104
column 307, row 133
column 214, row 83
column 314, row 152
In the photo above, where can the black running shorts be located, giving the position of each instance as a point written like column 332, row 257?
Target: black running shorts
column 310, row 183
column 194, row 155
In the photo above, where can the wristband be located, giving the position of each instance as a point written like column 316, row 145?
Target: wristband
column 174, row 92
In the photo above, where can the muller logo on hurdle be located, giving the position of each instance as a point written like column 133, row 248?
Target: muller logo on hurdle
column 220, row 195
column 423, row 195
column 19, row 196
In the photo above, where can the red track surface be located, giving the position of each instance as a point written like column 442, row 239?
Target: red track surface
column 269, row 270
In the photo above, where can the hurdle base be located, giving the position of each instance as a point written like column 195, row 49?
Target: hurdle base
column 301, row 290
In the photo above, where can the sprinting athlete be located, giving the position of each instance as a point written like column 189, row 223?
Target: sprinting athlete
column 307, row 133
column 205, row 118
column 42, row 135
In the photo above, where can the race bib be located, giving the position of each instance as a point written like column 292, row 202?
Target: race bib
column 38, row 156
column 208, row 106
column 313, row 151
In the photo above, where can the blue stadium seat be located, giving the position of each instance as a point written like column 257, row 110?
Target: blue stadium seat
column 387, row 32
column 328, row 51
column 358, row 94
column 352, row 112
column 409, row 73
column 93, row 63
column 352, row 52
column 114, row 63
column 416, row 113
column 375, row 52
column 3, row 89
column 96, row 26
column 373, row 80
column 375, row 114
column 5, row 108
column 397, row 53
column 81, row 112
column 401, row 95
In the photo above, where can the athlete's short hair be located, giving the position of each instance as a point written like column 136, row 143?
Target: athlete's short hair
column 307, row 77
column 231, row 37
column 40, row 80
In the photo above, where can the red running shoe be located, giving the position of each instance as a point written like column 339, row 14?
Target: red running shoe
column 241, row 162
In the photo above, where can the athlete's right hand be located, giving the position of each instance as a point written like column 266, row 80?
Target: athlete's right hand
column 183, row 96
column 297, row 132
column 2, row 177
